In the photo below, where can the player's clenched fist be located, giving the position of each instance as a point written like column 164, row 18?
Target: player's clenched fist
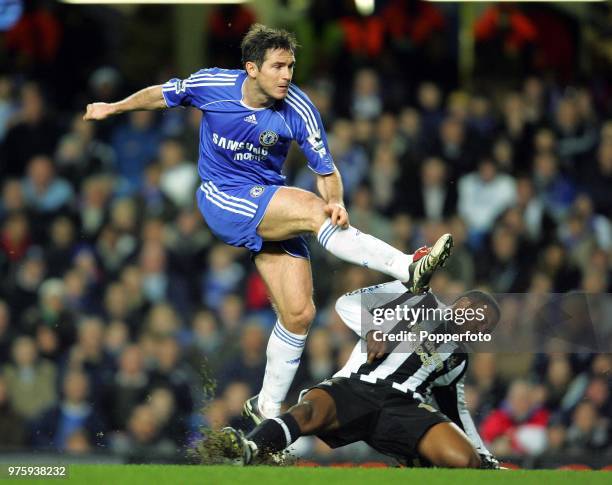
column 98, row 111
column 338, row 215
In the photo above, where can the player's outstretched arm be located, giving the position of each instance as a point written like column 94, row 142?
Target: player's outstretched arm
column 150, row 98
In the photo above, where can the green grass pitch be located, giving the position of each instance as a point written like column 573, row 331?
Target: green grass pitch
column 173, row 474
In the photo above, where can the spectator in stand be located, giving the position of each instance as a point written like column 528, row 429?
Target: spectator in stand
column 128, row 388
column 43, row 190
column 534, row 95
column 62, row 240
column 234, row 396
column 13, row 431
column 384, row 175
column 431, row 197
column 207, row 347
column 429, row 99
column 558, row 379
column 486, row 383
column 173, row 372
column 143, row 441
column 30, row 381
column 15, row 237
column 482, row 197
column 367, row 102
column 461, row 266
column 589, row 431
column 52, row 312
column 13, row 199
column 411, row 130
column 597, row 178
column 136, row 145
column 453, row 147
column 116, row 338
column 74, row 412
column 537, row 222
column 159, row 282
column 179, row 177
column 517, row 427
column 216, row 415
column 89, row 356
column 515, row 127
column 575, row 137
column 79, row 154
column 163, row 403
column 34, row 133
column 248, row 366
column 188, row 240
column 368, row 218
column 22, row 288
column 95, row 194
column 223, row 277
column 555, row 190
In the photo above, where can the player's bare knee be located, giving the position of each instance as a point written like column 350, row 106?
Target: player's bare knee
column 304, row 414
column 299, row 320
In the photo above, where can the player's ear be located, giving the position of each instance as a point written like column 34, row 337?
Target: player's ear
column 251, row 68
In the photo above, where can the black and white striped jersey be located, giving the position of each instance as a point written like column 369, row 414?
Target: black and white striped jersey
column 432, row 373
column 408, row 367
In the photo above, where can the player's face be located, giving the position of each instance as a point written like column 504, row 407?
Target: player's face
column 275, row 73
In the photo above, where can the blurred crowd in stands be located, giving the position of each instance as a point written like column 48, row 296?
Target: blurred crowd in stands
column 119, row 308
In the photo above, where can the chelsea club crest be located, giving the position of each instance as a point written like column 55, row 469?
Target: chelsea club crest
column 256, row 191
column 268, row 138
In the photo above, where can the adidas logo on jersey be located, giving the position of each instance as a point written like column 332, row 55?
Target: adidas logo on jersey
column 251, row 119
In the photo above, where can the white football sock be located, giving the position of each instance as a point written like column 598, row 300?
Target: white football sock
column 283, row 358
column 356, row 247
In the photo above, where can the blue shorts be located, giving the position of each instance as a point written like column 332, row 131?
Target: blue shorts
column 234, row 214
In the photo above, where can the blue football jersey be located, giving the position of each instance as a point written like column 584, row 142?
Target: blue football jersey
column 240, row 145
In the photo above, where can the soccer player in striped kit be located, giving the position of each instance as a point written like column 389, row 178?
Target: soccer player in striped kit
column 250, row 117
column 406, row 401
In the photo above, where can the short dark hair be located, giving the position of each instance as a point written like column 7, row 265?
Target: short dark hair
column 260, row 38
column 480, row 299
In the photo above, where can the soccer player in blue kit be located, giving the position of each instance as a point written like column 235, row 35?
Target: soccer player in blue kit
column 250, row 117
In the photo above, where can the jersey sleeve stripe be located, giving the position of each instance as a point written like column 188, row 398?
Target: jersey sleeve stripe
column 218, row 76
column 304, row 105
column 466, row 420
column 295, row 101
column 302, row 115
column 197, row 85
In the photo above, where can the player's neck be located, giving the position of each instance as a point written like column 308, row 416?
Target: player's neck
column 254, row 97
